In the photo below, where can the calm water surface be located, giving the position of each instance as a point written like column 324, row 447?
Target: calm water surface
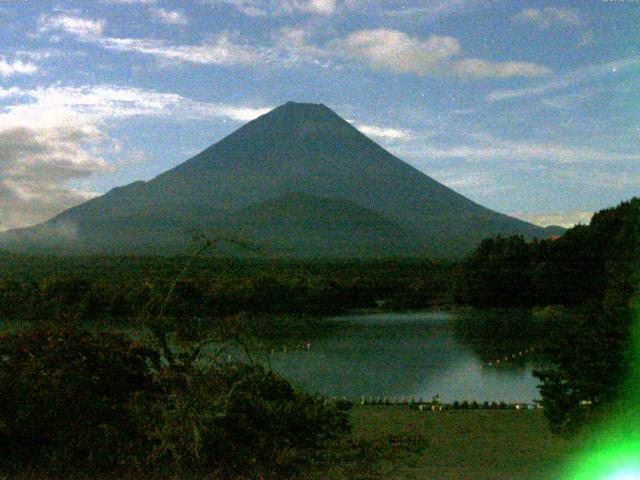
column 398, row 355
column 402, row 354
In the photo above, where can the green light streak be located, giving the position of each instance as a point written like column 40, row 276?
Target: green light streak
column 614, row 453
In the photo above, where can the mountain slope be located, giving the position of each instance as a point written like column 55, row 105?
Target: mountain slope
column 297, row 224
column 295, row 148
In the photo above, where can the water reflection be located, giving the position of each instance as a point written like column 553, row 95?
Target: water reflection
column 404, row 355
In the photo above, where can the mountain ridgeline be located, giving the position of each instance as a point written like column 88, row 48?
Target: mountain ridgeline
column 300, row 180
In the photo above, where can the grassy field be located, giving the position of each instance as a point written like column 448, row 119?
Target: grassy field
column 468, row 444
column 461, row 445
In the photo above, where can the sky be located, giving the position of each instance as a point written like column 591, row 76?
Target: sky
column 531, row 108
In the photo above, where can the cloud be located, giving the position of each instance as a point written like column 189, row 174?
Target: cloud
column 383, row 49
column 240, row 114
column 476, row 68
column 38, row 55
column 259, row 8
column 220, row 49
column 9, row 92
column 385, row 133
column 391, row 8
column 217, row 50
column 291, row 46
column 395, row 51
column 518, row 151
column 423, row 10
column 130, row 2
column 320, row 7
column 98, row 103
column 471, row 182
column 39, row 155
column 564, row 81
column 565, row 219
column 17, row 67
column 568, row 101
column 251, row 8
column 169, row 17
column 398, row 52
column 82, row 28
column 548, row 17
column 53, row 136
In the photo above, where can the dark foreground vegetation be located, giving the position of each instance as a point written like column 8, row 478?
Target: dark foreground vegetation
column 91, row 402
column 103, row 402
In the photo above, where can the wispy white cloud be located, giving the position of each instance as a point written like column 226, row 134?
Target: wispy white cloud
column 385, row 133
column 130, row 2
column 320, row 7
column 548, row 17
column 42, row 54
column 16, row 67
column 169, row 17
column 564, row 81
column 383, row 49
column 221, row 49
column 568, row 101
column 389, row 8
column 82, row 28
column 470, row 182
column 395, row 51
column 235, row 113
column 519, row 151
column 291, row 46
column 257, row 8
column 477, row 68
column 252, row 8
column 98, row 103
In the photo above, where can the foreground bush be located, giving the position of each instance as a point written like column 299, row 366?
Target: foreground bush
column 64, row 397
column 94, row 403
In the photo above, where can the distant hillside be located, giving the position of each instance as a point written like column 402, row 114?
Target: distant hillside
column 296, row 224
column 299, row 178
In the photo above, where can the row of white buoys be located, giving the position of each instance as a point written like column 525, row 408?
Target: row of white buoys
column 507, row 358
column 434, row 404
column 390, row 401
column 290, row 349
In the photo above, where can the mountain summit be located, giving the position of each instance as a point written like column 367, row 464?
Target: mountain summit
column 299, row 179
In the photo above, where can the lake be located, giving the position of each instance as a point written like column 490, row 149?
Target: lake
column 411, row 355
column 404, row 355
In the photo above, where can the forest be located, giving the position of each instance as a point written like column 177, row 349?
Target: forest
column 116, row 288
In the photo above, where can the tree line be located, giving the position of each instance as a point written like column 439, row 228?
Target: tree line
column 109, row 289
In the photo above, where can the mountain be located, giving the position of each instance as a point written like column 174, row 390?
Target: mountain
column 300, row 179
